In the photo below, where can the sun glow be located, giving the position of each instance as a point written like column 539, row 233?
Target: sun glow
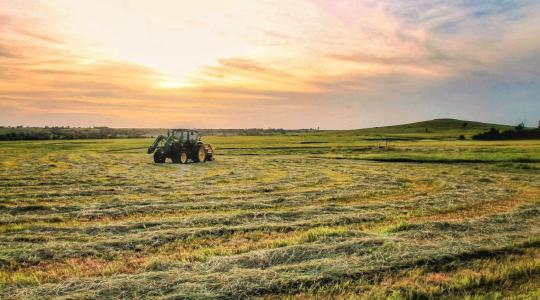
column 172, row 83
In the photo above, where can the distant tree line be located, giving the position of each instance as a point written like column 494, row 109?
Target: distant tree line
column 13, row 133
column 66, row 133
column 518, row 133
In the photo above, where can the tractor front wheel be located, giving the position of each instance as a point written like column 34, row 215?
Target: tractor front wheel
column 183, row 157
column 159, row 158
column 200, row 155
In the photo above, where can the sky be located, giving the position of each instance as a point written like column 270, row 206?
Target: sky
column 281, row 64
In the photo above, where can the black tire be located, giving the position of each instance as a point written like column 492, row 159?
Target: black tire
column 159, row 158
column 183, row 157
column 200, row 154
column 175, row 159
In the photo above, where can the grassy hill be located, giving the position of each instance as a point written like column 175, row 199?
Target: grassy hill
column 432, row 129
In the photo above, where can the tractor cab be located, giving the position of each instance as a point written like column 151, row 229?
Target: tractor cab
column 185, row 135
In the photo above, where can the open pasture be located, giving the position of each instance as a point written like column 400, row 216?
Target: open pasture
column 295, row 216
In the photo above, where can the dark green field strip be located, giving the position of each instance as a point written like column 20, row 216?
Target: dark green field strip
column 452, row 160
column 428, row 160
column 292, row 147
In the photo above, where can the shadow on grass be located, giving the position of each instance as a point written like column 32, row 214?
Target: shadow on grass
column 435, row 160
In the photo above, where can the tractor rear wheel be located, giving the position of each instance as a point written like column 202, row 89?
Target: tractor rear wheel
column 159, row 158
column 183, row 157
column 200, row 155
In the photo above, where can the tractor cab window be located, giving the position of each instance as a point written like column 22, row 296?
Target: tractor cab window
column 181, row 135
column 192, row 136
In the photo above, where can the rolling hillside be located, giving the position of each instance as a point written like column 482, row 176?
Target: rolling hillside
column 432, row 129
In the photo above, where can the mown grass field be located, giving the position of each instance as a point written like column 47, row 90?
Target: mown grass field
column 325, row 215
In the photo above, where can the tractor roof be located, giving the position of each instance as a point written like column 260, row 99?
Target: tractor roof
column 183, row 129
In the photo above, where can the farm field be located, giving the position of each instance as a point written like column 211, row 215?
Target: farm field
column 323, row 215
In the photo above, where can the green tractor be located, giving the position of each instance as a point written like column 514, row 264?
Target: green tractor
column 181, row 146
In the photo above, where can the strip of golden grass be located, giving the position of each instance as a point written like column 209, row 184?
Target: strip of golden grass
column 483, row 278
column 524, row 195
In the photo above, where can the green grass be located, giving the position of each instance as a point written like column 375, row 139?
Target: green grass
column 315, row 215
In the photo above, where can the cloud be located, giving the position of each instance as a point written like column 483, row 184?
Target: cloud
column 6, row 53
